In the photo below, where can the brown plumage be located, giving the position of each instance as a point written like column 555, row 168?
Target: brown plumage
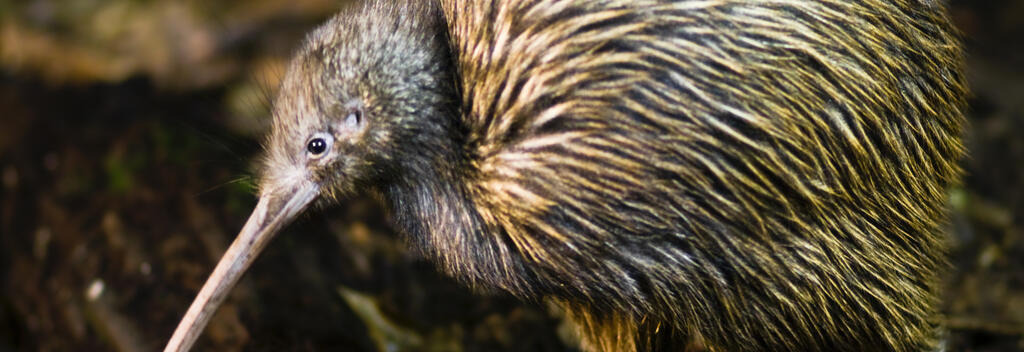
column 755, row 176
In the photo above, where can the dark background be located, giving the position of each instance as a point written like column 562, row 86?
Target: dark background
column 127, row 134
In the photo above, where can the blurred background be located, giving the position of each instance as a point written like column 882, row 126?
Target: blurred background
column 128, row 130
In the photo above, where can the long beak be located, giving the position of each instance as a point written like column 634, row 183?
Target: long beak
column 276, row 208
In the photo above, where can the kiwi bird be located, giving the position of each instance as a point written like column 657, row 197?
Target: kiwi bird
column 737, row 175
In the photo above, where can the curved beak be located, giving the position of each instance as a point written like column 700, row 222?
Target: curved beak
column 276, row 208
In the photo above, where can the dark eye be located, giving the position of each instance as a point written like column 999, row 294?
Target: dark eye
column 317, row 146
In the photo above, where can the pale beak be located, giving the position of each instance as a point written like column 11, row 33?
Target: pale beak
column 276, row 208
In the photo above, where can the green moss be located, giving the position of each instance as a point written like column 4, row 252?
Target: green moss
column 121, row 167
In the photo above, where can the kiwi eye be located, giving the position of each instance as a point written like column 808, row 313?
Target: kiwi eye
column 316, row 146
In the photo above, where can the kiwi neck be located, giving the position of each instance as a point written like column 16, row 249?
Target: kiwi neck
column 434, row 206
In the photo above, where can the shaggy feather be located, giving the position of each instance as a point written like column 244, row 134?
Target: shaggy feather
column 749, row 176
